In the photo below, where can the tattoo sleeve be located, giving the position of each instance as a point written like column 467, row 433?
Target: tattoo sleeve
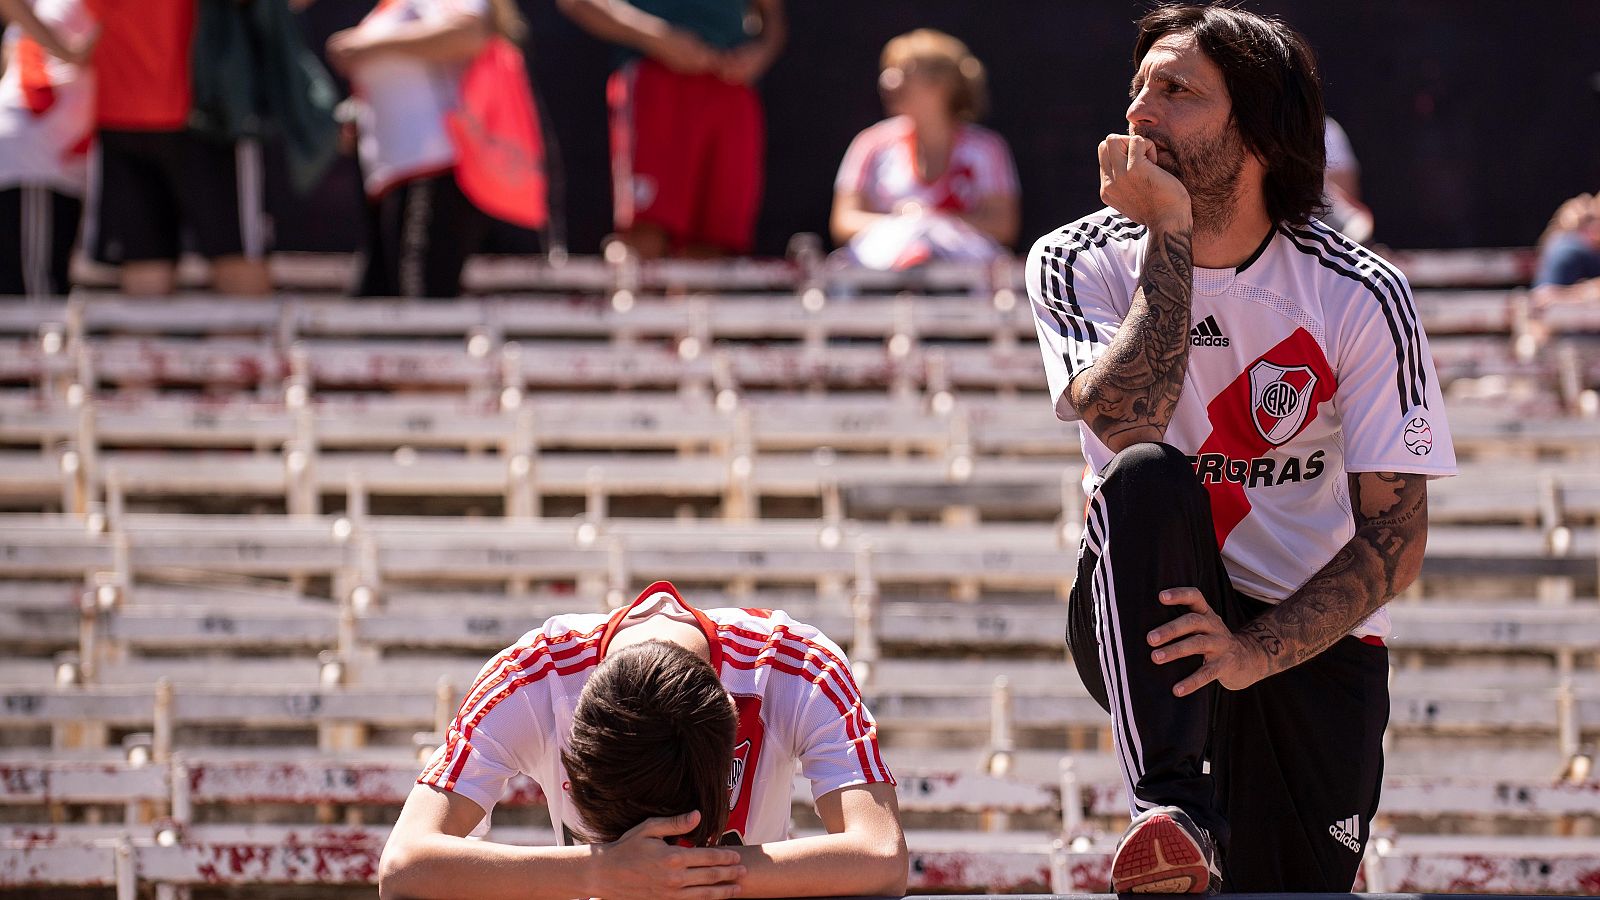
column 1130, row 394
column 1381, row 560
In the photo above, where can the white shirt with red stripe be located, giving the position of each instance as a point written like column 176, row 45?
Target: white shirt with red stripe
column 1307, row 362
column 881, row 166
column 799, row 709
column 46, row 105
column 404, row 98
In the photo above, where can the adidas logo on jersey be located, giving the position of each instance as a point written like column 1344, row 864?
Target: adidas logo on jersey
column 1348, row 833
column 1206, row 333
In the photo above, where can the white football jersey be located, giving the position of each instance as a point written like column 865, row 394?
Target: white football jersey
column 46, row 104
column 799, row 707
column 1307, row 362
column 405, row 98
column 881, row 166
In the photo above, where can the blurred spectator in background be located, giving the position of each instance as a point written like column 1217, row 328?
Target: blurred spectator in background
column 406, row 61
column 1569, row 254
column 254, row 78
column 46, row 120
column 1341, row 185
column 926, row 183
column 154, row 177
column 688, row 135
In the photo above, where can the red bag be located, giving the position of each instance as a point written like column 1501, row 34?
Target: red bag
column 37, row 91
column 499, row 148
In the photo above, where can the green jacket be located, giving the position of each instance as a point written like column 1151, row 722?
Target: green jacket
column 254, row 76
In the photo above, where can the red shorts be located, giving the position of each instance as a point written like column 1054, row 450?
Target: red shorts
column 686, row 155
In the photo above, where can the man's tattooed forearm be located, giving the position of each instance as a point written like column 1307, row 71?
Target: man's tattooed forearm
column 1313, row 620
column 1306, row 612
column 1137, row 384
column 1392, row 514
column 1378, row 562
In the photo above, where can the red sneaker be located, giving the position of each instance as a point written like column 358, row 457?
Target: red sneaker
column 1164, row 852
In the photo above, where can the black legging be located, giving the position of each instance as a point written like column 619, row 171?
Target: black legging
column 1295, row 761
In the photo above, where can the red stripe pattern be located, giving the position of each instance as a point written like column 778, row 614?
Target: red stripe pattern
column 501, row 677
column 794, row 654
column 782, row 650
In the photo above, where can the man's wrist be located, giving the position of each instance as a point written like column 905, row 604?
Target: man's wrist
column 1173, row 222
column 655, row 34
column 765, row 48
column 53, row 43
column 591, row 871
column 1264, row 663
column 1264, row 645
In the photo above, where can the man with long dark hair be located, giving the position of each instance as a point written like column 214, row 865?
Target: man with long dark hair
column 1262, row 416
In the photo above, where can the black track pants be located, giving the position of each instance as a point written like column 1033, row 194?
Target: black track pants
column 41, row 225
column 1286, row 773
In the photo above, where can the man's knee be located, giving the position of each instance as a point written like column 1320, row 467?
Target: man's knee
column 1151, row 469
column 241, row 276
column 149, row 277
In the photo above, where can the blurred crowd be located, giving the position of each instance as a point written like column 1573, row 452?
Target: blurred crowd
column 131, row 131
column 1569, row 254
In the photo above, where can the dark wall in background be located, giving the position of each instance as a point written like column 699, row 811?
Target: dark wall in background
column 1472, row 119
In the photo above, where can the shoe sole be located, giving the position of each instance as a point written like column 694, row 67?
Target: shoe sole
column 1159, row 858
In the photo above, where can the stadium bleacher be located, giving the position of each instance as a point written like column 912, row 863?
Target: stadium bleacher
column 252, row 552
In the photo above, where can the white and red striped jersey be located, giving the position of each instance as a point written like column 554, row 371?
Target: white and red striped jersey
column 1307, row 362
column 881, row 166
column 405, row 98
column 799, row 709
column 47, row 104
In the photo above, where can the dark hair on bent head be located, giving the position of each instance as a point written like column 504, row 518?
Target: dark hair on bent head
column 1276, row 93
column 652, row 736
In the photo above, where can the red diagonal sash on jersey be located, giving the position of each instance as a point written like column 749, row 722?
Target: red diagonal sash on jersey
column 1240, row 425
column 747, row 744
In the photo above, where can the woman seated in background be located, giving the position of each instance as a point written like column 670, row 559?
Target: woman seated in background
column 926, row 183
column 1569, row 254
